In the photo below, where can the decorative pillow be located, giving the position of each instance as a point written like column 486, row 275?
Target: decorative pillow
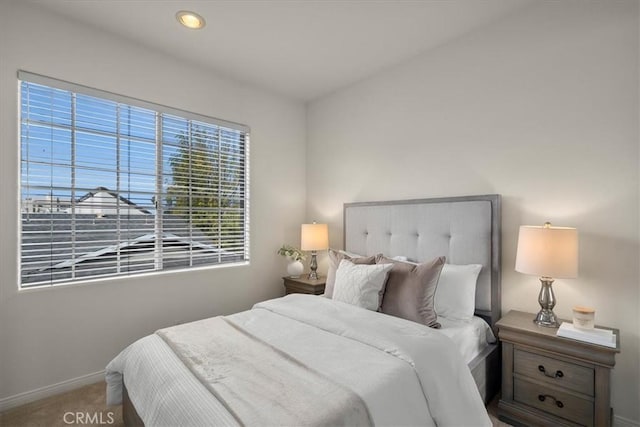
column 334, row 261
column 456, row 293
column 351, row 254
column 410, row 290
column 361, row 285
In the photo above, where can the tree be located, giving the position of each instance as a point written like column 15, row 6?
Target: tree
column 207, row 175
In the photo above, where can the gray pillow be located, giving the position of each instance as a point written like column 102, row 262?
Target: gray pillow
column 334, row 261
column 411, row 289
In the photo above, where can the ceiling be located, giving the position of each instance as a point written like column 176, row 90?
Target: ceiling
column 302, row 49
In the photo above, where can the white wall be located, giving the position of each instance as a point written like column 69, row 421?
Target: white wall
column 53, row 335
column 541, row 107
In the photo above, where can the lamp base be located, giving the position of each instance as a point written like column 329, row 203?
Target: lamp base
column 547, row 300
column 546, row 318
column 313, row 266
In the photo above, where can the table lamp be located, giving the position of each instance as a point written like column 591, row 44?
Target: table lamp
column 314, row 237
column 548, row 252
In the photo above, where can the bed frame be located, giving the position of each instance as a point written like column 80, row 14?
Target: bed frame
column 465, row 229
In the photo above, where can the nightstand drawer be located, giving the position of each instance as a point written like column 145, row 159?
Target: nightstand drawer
column 553, row 401
column 555, row 372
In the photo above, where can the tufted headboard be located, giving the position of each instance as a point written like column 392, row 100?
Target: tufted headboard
column 464, row 229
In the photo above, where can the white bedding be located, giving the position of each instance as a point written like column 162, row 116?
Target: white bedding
column 470, row 336
column 406, row 374
column 253, row 378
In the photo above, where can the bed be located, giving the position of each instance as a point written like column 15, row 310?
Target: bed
column 321, row 353
column 466, row 229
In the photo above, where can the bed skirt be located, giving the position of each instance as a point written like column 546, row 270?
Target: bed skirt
column 129, row 414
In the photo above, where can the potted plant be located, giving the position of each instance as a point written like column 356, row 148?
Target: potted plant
column 295, row 257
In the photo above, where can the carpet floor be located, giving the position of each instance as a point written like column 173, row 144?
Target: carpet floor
column 83, row 406
column 86, row 406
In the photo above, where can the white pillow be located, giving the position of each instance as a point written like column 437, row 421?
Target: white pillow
column 361, row 285
column 456, row 291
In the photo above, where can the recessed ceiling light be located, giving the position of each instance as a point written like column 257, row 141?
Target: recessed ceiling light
column 190, row 19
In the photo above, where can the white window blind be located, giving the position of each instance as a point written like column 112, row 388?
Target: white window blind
column 112, row 185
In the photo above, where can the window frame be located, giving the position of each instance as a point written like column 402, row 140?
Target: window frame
column 160, row 112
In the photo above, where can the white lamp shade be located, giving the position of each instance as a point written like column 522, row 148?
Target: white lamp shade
column 314, row 237
column 548, row 251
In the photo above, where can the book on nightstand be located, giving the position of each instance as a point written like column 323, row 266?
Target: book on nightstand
column 594, row 336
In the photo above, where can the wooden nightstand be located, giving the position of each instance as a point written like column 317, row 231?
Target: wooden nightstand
column 549, row 380
column 304, row 285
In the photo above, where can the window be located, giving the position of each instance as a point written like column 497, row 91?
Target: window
column 115, row 186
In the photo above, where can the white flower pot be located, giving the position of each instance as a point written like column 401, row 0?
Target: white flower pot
column 295, row 268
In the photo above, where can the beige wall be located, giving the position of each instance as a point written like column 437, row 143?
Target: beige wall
column 541, row 107
column 54, row 335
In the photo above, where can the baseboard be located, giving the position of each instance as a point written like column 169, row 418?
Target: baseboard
column 619, row 421
column 50, row 390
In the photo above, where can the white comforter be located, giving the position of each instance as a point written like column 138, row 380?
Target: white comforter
column 405, row 373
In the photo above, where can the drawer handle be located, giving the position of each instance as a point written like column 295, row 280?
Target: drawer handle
column 543, row 397
column 558, row 373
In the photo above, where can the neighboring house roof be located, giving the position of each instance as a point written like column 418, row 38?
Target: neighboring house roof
column 168, row 240
column 47, row 244
column 99, row 199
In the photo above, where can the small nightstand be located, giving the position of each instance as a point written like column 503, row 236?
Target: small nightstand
column 304, row 285
column 549, row 380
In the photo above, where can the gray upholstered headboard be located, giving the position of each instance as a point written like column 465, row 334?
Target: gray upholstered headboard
column 464, row 229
